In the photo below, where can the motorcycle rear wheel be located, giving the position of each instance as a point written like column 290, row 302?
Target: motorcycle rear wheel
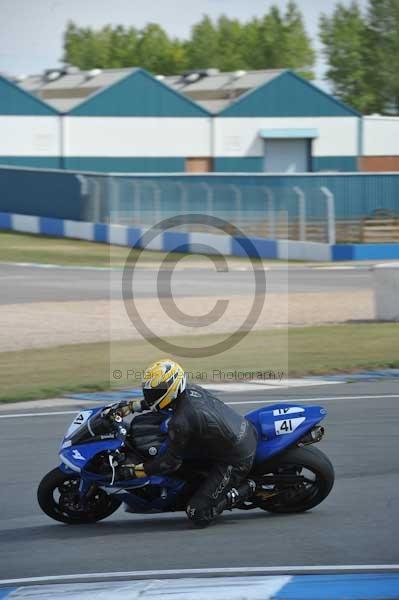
column 309, row 463
column 57, row 495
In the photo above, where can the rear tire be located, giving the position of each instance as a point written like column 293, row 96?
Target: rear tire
column 299, row 497
column 57, row 491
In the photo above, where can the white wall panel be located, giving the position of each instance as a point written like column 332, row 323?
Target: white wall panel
column 29, row 136
column 117, row 234
column 213, row 242
column 381, row 136
column 338, row 136
column 80, row 230
column 25, row 223
column 137, row 136
column 292, row 250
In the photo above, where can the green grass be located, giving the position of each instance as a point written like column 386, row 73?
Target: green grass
column 42, row 373
column 32, row 248
column 21, row 247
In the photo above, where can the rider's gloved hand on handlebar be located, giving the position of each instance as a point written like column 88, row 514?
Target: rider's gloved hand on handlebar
column 131, row 471
column 123, row 409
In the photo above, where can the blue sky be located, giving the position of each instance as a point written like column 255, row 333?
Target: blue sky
column 31, row 30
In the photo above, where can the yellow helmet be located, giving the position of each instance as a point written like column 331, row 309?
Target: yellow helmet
column 163, row 381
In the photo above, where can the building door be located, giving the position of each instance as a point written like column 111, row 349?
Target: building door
column 287, row 156
column 198, row 165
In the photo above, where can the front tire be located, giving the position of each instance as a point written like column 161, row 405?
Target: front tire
column 57, row 495
column 309, row 463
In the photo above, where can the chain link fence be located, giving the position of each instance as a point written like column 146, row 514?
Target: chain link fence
column 266, row 211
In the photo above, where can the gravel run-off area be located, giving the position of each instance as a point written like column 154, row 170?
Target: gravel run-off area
column 46, row 324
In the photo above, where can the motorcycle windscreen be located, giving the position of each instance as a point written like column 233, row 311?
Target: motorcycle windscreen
column 94, row 427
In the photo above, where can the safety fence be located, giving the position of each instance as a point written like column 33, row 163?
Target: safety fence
column 344, row 208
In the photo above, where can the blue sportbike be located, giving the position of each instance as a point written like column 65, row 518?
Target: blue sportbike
column 290, row 474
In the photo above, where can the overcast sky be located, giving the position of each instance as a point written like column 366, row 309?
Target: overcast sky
column 31, row 30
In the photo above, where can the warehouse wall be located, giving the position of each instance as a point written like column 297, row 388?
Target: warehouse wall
column 237, row 142
column 30, row 141
column 134, row 143
column 380, row 144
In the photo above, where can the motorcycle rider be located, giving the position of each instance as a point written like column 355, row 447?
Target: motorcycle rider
column 202, row 422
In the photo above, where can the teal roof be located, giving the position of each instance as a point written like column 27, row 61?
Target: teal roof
column 287, row 95
column 138, row 95
column 16, row 101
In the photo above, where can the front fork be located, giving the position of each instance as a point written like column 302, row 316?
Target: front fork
column 87, row 489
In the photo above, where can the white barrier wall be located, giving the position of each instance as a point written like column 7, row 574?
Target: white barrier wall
column 29, row 136
column 137, row 136
column 386, row 286
column 239, row 137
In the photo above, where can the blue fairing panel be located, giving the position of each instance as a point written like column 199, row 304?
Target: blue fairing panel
column 76, row 457
column 281, row 425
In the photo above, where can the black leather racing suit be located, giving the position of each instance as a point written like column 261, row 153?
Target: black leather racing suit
column 203, row 423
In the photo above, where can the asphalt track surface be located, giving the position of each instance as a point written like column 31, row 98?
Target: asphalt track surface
column 21, row 284
column 357, row 524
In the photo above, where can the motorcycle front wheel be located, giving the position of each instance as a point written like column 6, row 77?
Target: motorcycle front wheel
column 58, row 497
column 294, row 482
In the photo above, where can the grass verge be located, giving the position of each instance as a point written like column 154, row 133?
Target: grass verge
column 31, row 374
column 24, row 247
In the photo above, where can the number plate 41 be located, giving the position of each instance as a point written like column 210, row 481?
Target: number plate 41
column 286, row 426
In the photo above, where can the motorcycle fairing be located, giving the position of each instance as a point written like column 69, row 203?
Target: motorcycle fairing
column 279, row 426
column 77, row 457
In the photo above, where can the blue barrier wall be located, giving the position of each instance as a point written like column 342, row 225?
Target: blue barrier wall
column 58, row 193
column 40, row 193
column 173, row 241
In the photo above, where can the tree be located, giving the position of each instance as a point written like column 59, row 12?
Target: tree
column 229, row 41
column 298, row 51
column 123, row 50
column 271, row 40
column 279, row 41
column 202, row 48
column 383, row 53
column 275, row 41
column 344, row 36
column 157, row 53
column 86, row 48
column 252, row 51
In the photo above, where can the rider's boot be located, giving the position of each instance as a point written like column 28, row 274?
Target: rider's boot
column 239, row 495
column 206, row 516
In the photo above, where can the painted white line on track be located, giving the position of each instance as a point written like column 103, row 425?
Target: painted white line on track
column 214, row 571
column 234, row 403
column 41, row 414
column 55, row 266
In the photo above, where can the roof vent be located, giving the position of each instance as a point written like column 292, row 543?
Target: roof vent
column 160, row 77
column 93, row 73
column 238, row 74
column 52, row 75
column 212, row 72
column 192, row 77
column 20, row 78
column 70, row 69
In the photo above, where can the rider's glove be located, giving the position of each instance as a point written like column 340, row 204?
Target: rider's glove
column 137, row 406
column 139, row 470
column 134, row 406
